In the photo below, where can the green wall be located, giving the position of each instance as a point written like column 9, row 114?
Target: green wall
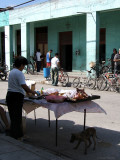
column 4, row 19
column 111, row 21
column 77, row 24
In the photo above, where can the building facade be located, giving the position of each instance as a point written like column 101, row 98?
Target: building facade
column 80, row 31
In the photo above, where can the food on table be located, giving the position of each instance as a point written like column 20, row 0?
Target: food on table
column 55, row 98
column 57, row 95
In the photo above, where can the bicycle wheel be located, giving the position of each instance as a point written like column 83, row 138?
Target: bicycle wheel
column 105, row 69
column 101, row 83
column 30, row 69
column 3, row 76
column 91, row 83
column 25, row 69
column 76, row 82
column 64, row 79
column 118, row 85
column 115, row 84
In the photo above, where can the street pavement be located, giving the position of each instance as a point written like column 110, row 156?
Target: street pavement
column 42, row 138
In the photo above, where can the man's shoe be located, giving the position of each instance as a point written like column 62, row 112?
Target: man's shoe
column 55, row 85
column 24, row 139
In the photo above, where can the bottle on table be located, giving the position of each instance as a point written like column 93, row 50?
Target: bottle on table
column 42, row 90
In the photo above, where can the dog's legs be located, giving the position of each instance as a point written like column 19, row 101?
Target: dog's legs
column 94, row 139
column 77, row 144
column 85, row 146
column 89, row 143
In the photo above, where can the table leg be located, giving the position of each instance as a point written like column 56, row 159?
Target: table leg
column 35, row 116
column 56, row 130
column 2, row 125
column 49, row 117
column 84, row 118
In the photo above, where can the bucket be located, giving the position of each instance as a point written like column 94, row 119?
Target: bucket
column 46, row 72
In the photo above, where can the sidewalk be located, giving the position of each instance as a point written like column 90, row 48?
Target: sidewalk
column 42, row 145
column 11, row 149
column 40, row 77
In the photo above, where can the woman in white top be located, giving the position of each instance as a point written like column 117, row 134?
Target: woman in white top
column 15, row 96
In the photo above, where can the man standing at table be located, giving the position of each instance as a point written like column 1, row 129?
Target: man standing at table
column 55, row 64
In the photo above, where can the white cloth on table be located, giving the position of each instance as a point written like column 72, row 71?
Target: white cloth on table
column 60, row 109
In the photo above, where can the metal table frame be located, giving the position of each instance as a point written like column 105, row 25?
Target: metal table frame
column 56, row 128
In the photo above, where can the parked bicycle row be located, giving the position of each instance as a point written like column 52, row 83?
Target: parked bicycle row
column 105, row 80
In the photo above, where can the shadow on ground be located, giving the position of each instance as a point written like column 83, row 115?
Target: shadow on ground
column 44, row 136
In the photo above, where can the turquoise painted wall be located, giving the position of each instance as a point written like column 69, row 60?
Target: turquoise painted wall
column 15, row 27
column 4, row 19
column 77, row 24
column 111, row 21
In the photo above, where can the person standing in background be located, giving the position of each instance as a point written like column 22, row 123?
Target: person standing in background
column 112, row 59
column 117, row 62
column 35, row 59
column 55, row 64
column 38, row 60
column 48, row 59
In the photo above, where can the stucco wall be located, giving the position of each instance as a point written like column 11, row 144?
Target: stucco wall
column 77, row 24
column 4, row 19
column 111, row 21
column 59, row 8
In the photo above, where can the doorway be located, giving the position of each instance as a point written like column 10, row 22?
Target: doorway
column 102, row 52
column 42, row 43
column 2, row 48
column 65, row 43
column 18, row 34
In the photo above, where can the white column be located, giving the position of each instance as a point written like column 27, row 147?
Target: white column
column 14, row 41
column 92, row 38
column 32, row 47
column 7, row 45
column 0, row 48
column 24, row 39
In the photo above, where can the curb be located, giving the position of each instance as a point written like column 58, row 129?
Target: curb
column 40, row 152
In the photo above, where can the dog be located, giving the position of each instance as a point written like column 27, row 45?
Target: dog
column 85, row 137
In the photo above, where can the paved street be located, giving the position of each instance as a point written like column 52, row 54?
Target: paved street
column 107, row 127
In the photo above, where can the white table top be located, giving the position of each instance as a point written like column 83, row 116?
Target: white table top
column 60, row 109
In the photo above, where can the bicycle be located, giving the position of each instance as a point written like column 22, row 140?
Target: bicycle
column 102, row 67
column 89, row 81
column 3, row 71
column 109, row 81
column 63, row 77
column 30, row 68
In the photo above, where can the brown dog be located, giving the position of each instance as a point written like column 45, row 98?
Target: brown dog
column 85, row 137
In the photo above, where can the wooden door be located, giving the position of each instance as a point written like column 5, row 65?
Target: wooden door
column 102, row 49
column 42, row 43
column 65, row 43
column 43, row 49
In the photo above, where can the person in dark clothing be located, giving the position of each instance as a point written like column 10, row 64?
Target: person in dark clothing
column 15, row 96
column 112, row 59
column 117, row 62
